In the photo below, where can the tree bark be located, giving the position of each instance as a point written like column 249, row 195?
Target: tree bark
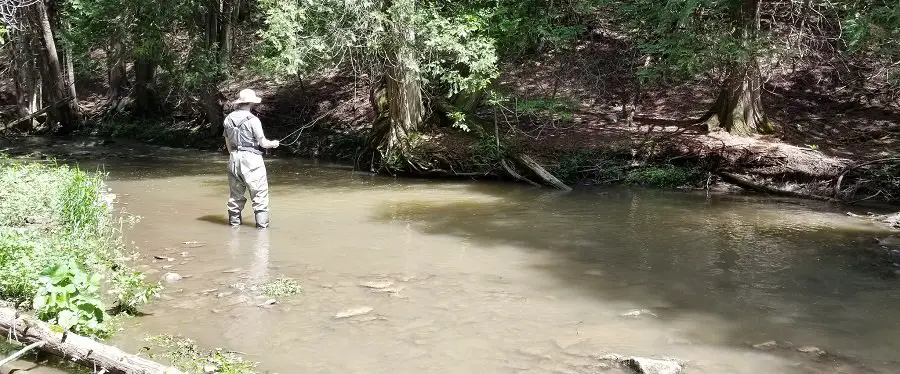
column 738, row 108
column 210, row 99
column 23, row 46
column 55, row 82
column 402, row 87
column 79, row 349
column 144, row 93
column 226, row 33
column 116, row 73
column 70, row 71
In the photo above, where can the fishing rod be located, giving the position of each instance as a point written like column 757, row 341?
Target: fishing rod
column 299, row 131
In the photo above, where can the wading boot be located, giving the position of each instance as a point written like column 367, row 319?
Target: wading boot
column 262, row 220
column 234, row 219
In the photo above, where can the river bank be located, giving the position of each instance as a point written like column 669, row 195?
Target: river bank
column 68, row 281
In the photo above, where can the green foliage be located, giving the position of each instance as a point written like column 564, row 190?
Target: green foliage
column 665, row 176
column 56, row 226
column 454, row 50
column 185, row 355
column 281, row 287
column 457, row 52
column 687, row 37
column 551, row 108
column 131, row 291
column 870, row 27
column 531, row 26
column 68, row 297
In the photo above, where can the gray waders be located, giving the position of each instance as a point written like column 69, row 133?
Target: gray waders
column 246, row 170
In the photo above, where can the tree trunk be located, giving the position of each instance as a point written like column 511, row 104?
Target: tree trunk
column 402, row 88
column 23, row 46
column 116, row 73
column 79, row 349
column 210, row 99
column 226, row 32
column 55, row 83
column 70, row 71
column 212, row 23
column 738, row 108
column 146, row 102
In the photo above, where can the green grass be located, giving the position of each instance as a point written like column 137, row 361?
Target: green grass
column 184, row 354
column 51, row 214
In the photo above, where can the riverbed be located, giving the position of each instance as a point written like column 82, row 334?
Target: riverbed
column 465, row 277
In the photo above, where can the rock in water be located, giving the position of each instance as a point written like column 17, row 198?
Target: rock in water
column 353, row 312
column 172, row 277
column 378, row 285
column 766, row 345
column 643, row 365
column 638, row 313
column 815, row 351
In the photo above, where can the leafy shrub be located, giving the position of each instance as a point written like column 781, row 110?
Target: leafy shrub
column 68, row 297
column 57, row 232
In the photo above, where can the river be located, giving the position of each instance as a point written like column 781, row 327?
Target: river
column 465, row 277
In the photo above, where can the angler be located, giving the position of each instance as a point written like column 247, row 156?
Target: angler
column 245, row 141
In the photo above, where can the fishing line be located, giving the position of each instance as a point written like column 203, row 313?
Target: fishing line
column 299, row 131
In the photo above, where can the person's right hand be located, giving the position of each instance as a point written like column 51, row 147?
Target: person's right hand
column 276, row 143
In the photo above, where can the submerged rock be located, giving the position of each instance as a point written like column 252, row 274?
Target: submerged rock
column 810, row 350
column 353, row 312
column 766, row 345
column 172, row 277
column 644, row 365
column 378, row 285
column 638, row 313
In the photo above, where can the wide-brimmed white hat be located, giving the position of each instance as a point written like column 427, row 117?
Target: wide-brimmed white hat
column 247, row 96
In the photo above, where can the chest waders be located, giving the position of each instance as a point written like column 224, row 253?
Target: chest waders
column 246, row 171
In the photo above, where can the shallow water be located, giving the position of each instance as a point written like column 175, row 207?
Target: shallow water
column 499, row 278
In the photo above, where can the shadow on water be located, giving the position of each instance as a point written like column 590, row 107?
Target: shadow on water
column 779, row 272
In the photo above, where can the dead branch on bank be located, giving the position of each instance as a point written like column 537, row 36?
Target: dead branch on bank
column 82, row 350
column 35, row 114
column 539, row 170
column 847, row 170
column 753, row 186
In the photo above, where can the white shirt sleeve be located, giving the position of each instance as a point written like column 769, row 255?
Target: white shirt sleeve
column 256, row 127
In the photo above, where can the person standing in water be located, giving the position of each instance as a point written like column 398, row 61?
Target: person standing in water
column 245, row 141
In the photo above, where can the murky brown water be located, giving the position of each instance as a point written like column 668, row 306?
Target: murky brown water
column 495, row 278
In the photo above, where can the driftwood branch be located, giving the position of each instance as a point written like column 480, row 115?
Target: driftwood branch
column 79, row 349
column 753, row 186
column 539, row 170
column 516, row 175
column 35, row 114
column 21, row 352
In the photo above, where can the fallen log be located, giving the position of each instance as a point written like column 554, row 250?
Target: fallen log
column 545, row 175
column 516, row 175
column 81, row 350
column 35, row 114
column 753, row 186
